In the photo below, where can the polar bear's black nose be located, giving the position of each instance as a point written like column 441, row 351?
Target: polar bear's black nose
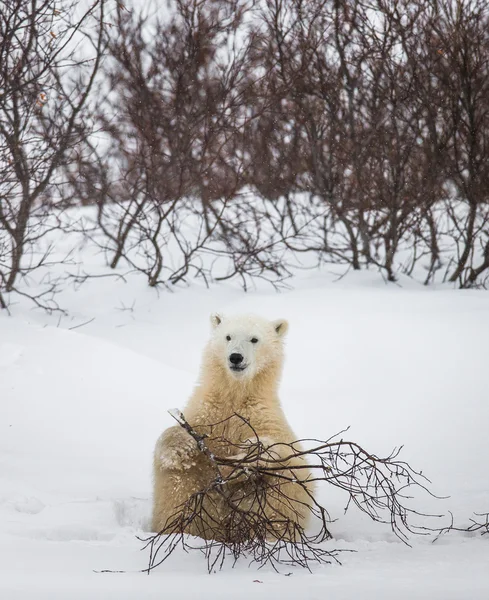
column 235, row 358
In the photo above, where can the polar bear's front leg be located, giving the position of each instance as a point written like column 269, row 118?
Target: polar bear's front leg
column 176, row 450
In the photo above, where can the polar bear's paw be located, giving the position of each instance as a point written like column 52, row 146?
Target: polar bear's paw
column 176, row 450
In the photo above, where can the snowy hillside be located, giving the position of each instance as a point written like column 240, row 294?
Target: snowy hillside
column 80, row 411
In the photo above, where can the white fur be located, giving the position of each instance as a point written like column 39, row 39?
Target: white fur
column 181, row 470
column 241, row 330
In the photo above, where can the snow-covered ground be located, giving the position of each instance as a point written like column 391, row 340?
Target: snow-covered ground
column 80, row 411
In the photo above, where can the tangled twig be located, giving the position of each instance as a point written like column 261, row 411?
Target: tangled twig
column 376, row 486
column 478, row 523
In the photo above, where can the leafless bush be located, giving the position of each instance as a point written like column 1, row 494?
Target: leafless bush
column 379, row 487
column 460, row 34
column 45, row 82
column 375, row 113
column 379, row 111
column 167, row 173
column 357, row 132
column 450, row 59
column 360, row 128
column 298, row 47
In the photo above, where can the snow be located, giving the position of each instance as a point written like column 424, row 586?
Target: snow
column 81, row 409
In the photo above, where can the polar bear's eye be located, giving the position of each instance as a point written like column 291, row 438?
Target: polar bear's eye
column 228, row 337
column 254, row 340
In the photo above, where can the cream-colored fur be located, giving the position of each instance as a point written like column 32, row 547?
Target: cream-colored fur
column 180, row 469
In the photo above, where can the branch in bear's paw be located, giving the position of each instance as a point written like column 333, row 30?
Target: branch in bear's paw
column 177, row 415
column 257, row 502
column 199, row 438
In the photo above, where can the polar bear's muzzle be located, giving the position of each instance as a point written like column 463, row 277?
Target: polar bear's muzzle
column 236, row 363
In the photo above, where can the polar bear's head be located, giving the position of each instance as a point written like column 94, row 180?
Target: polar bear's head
column 246, row 345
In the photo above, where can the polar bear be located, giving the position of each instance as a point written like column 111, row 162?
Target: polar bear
column 234, row 405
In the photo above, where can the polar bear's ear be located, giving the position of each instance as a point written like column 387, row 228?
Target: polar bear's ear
column 281, row 326
column 216, row 320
